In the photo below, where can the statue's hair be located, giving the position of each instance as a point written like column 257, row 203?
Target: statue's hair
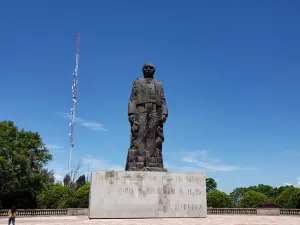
column 148, row 64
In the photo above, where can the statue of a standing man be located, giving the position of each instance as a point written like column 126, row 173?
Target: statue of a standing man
column 147, row 112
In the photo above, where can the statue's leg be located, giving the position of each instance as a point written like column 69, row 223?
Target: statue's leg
column 159, row 141
column 158, row 153
column 132, row 151
column 152, row 123
column 141, row 118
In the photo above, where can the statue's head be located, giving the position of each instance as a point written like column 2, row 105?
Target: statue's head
column 148, row 70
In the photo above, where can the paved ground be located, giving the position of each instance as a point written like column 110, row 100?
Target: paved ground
column 210, row 220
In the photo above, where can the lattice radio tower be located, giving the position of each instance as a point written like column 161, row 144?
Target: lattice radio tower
column 74, row 101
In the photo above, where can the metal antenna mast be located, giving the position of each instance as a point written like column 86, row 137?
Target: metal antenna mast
column 74, row 101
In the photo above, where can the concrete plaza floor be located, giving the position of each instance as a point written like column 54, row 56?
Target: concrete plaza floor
column 210, row 220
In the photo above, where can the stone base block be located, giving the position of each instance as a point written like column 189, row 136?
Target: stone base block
column 77, row 212
column 268, row 211
column 146, row 194
column 157, row 169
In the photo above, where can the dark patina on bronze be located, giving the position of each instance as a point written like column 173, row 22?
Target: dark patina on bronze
column 147, row 113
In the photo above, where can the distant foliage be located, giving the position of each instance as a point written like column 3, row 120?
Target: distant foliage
column 211, row 184
column 55, row 197
column 81, row 197
column 252, row 199
column 289, row 198
column 237, row 194
column 219, row 199
column 78, row 203
column 83, row 191
column 270, row 205
column 272, row 193
column 67, row 180
column 80, row 181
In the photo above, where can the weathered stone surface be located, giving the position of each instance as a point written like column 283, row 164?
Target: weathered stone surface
column 77, row 212
column 139, row 194
column 268, row 212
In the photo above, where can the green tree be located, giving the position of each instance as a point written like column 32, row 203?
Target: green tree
column 211, row 184
column 56, row 196
column 237, row 194
column 289, row 198
column 252, row 199
column 83, row 191
column 271, row 192
column 22, row 158
column 280, row 189
column 219, row 199
column 48, row 176
column 268, row 190
column 67, row 180
column 81, row 197
column 80, row 181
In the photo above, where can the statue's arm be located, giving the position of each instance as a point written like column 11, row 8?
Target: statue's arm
column 163, row 102
column 132, row 100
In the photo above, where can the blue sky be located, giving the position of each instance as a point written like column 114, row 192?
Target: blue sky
column 230, row 71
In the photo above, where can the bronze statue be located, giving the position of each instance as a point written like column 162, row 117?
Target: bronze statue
column 147, row 112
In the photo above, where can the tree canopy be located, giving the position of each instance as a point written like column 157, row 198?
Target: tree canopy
column 289, row 198
column 219, row 199
column 211, row 184
column 23, row 156
column 252, row 199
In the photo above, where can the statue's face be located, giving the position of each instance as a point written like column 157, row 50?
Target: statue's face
column 148, row 70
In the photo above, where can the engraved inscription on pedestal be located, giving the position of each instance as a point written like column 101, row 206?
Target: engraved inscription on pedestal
column 134, row 194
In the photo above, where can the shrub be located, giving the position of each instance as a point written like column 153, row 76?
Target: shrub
column 252, row 199
column 81, row 197
column 54, row 197
column 83, row 191
column 218, row 199
column 289, row 198
column 78, row 203
column 270, row 205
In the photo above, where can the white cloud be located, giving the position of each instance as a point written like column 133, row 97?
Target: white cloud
column 297, row 184
column 100, row 164
column 91, row 125
column 201, row 160
column 55, row 148
column 179, row 168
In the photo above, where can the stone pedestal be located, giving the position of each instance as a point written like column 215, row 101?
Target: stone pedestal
column 268, row 211
column 144, row 194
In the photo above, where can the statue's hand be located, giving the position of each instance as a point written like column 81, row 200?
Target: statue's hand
column 163, row 118
column 131, row 118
